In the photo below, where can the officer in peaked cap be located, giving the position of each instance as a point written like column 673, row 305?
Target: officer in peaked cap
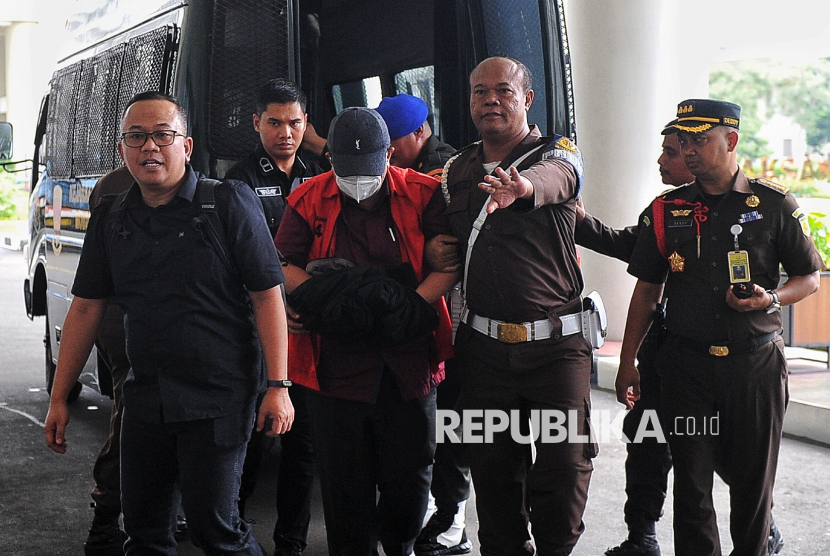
column 722, row 368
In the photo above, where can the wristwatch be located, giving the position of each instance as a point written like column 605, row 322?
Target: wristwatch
column 776, row 303
column 279, row 383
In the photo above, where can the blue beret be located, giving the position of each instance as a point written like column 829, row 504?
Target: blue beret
column 403, row 114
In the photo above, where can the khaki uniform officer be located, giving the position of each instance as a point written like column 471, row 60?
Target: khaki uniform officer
column 723, row 371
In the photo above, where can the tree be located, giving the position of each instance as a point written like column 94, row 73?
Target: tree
column 798, row 89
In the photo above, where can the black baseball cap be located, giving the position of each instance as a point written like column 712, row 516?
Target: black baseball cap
column 358, row 141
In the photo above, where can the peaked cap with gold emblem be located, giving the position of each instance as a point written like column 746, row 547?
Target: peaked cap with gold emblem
column 701, row 115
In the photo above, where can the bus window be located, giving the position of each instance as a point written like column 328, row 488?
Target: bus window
column 366, row 92
column 420, row 82
column 523, row 43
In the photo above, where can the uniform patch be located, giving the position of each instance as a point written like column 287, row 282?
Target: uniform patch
column 268, row 191
column 646, row 220
column 567, row 144
column 564, row 149
column 570, row 157
column 799, row 215
column 682, row 212
column 750, row 216
column 684, row 223
column 266, row 165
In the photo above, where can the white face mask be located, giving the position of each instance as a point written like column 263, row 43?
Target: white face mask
column 359, row 187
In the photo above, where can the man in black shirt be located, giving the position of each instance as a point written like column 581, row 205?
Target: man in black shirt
column 196, row 331
column 273, row 170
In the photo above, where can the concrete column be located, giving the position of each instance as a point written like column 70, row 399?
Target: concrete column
column 23, row 101
column 626, row 58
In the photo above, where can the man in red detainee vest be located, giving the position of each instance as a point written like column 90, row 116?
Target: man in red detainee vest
column 373, row 409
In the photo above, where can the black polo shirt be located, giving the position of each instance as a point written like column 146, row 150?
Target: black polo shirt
column 191, row 335
column 270, row 183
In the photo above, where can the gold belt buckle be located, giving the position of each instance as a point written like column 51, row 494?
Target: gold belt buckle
column 510, row 333
column 719, row 351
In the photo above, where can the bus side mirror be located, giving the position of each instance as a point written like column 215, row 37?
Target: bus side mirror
column 6, row 141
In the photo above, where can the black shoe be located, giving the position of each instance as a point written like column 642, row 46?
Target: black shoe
column 181, row 533
column 775, row 543
column 636, row 545
column 428, row 544
column 105, row 536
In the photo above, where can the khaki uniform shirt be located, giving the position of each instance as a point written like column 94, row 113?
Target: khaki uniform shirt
column 774, row 232
column 523, row 266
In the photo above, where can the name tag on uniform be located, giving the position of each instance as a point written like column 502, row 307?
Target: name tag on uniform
column 268, row 191
column 680, row 223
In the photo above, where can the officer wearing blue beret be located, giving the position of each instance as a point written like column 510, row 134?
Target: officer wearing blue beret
column 415, row 145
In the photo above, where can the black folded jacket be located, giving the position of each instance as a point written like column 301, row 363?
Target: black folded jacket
column 360, row 303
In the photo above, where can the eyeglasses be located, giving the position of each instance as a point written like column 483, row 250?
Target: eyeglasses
column 137, row 139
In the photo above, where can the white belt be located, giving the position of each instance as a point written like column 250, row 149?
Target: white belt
column 514, row 333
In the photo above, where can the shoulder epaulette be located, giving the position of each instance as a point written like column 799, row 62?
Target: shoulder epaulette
column 771, row 184
column 563, row 148
column 674, row 189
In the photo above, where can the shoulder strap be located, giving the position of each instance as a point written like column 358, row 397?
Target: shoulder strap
column 482, row 216
column 114, row 222
column 206, row 203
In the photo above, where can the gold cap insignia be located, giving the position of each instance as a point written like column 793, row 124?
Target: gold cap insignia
column 677, row 262
column 752, row 201
column 682, row 212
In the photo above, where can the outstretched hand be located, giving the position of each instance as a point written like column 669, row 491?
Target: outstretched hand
column 505, row 188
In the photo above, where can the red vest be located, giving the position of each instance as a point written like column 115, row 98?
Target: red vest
column 318, row 202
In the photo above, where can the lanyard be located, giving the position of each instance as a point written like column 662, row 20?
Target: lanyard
column 479, row 222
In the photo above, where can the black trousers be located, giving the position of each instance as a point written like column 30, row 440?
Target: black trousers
column 202, row 460
column 112, row 346
column 450, row 472
column 724, row 414
column 511, row 488
column 295, row 479
column 648, row 463
column 375, row 465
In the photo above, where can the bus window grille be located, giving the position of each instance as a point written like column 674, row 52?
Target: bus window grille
column 60, row 121
column 144, row 65
column 251, row 43
column 96, row 125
